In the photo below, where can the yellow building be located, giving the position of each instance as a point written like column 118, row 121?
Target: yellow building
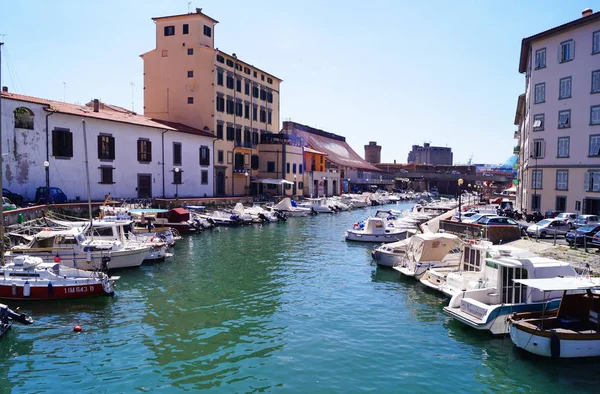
column 187, row 80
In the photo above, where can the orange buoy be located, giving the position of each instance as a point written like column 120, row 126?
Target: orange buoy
column 77, row 328
column 56, row 259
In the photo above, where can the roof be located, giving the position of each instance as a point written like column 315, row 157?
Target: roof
column 334, row 146
column 198, row 12
column 309, row 150
column 248, row 64
column 106, row 112
column 526, row 43
column 553, row 284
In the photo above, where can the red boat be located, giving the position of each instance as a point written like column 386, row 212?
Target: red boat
column 29, row 278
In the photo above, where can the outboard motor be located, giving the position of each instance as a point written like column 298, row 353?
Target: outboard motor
column 262, row 217
column 8, row 314
column 281, row 216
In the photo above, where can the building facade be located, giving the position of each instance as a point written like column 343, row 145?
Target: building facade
column 187, row 80
column 558, row 118
column 373, row 152
column 427, row 154
column 129, row 156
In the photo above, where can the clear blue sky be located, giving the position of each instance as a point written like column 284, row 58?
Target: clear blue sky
column 396, row 72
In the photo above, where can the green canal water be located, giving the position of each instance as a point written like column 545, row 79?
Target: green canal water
column 287, row 307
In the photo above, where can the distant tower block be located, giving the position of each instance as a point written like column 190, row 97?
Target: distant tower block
column 373, row 153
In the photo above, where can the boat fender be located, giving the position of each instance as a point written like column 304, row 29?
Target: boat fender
column 554, row 345
column 57, row 259
column 26, row 289
column 88, row 256
column 50, row 288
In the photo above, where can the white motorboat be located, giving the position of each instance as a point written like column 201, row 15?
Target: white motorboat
column 432, row 250
column 572, row 332
column 375, row 229
column 29, row 278
column 318, row 205
column 390, row 254
column 291, row 209
column 470, row 274
column 487, row 308
column 72, row 248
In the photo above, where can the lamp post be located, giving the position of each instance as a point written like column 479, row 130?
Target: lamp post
column 534, row 177
column 294, row 191
column 460, row 182
column 324, row 186
column 247, row 175
column 177, row 171
column 47, row 170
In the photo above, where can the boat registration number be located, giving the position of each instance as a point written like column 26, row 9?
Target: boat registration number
column 79, row 289
column 472, row 309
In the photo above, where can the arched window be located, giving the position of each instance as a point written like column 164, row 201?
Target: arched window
column 23, row 118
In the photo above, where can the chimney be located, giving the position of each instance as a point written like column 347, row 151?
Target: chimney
column 5, row 89
column 96, row 105
column 587, row 12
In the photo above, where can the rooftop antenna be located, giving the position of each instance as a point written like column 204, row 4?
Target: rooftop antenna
column 132, row 86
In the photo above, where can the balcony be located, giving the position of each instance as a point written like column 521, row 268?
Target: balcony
column 245, row 144
column 280, row 139
column 516, row 150
column 517, row 135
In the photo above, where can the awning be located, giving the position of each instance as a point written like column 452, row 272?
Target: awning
column 271, row 181
column 552, row 284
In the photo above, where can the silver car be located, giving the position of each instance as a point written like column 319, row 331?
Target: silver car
column 568, row 218
column 548, row 227
column 586, row 220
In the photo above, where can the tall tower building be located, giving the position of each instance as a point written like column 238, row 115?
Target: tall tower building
column 373, row 153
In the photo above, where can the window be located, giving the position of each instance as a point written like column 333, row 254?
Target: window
column 230, row 133
column 565, row 88
column 220, row 59
column 207, row 31
column 561, row 203
column 220, row 104
column 566, row 51
column 595, row 114
column 106, row 175
column 62, row 143
column 540, row 93
column 220, row 78
column 564, row 119
column 229, row 157
column 238, row 109
column 220, row 156
column 190, row 74
column 229, row 82
column 538, row 149
column 536, row 201
column 269, row 80
column 186, row 28
column 247, row 111
column 106, row 147
column 254, row 162
column 562, row 179
column 300, row 185
column 540, row 58
column 239, row 161
column 229, row 62
column 176, row 153
column 230, row 106
column 247, row 88
column 299, row 168
column 238, row 67
column 190, row 51
column 190, row 100
column 255, row 137
column 591, row 181
column 177, row 177
column 287, row 168
column 23, row 118
column 538, row 122
column 255, row 91
column 238, row 85
column 169, row 30
column 238, row 134
column 220, row 131
column 254, row 74
column 596, row 42
column 536, row 179
column 246, row 70
column 270, row 166
column 204, row 177
column 263, row 116
column 596, row 81
column 563, row 147
column 262, row 77
column 594, row 145
column 263, row 94
column 269, row 97
column 247, row 137
column 144, row 150
column 165, row 53
column 254, row 112
column 294, row 168
column 269, row 117
column 204, row 156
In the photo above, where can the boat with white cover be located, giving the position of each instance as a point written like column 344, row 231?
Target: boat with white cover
column 487, row 308
column 431, row 250
column 376, row 230
column 390, row 254
column 319, row 205
column 29, row 278
column 291, row 208
column 572, row 332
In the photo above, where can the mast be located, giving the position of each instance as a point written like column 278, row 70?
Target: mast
column 1, row 180
column 87, row 178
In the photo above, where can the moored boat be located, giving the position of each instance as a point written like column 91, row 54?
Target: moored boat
column 431, row 250
column 375, row 229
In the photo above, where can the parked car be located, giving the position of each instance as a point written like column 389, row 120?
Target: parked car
column 7, row 205
column 576, row 237
column 14, row 197
column 548, row 227
column 52, row 195
column 478, row 216
column 583, row 220
column 568, row 217
column 535, row 217
column 551, row 214
column 463, row 216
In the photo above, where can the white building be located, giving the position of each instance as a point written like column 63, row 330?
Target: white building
column 130, row 156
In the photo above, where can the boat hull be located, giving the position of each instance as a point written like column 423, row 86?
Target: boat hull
column 41, row 291
column 386, row 259
column 357, row 236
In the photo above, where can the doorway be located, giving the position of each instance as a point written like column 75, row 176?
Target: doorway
column 220, row 192
column 144, row 186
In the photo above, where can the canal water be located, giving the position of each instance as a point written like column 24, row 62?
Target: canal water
column 286, row 307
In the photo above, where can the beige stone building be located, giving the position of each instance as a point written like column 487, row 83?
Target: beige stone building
column 187, row 80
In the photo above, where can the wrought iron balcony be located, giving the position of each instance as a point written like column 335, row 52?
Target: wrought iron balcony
column 245, row 144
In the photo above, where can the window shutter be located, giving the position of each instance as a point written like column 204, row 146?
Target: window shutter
column 543, row 148
column 69, row 144
column 596, row 43
column 100, row 147
column 572, row 53
column 111, row 147
column 586, row 182
column 139, row 150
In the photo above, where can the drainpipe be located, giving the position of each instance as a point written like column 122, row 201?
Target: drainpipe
column 214, row 173
column 162, row 137
column 47, row 168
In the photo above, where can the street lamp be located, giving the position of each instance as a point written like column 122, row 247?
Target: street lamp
column 177, row 180
column 294, row 191
column 246, row 174
column 47, row 170
column 460, row 182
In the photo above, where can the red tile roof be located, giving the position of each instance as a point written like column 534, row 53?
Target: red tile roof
column 106, row 112
column 334, row 146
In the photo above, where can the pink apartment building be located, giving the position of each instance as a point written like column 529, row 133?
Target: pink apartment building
column 187, row 80
column 558, row 118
